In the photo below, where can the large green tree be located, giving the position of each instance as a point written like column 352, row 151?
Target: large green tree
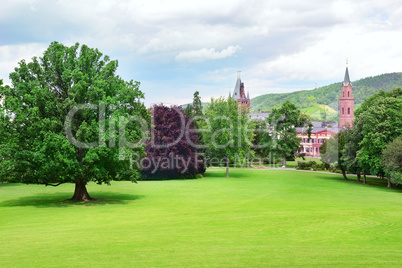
column 352, row 138
column 332, row 152
column 68, row 118
column 379, row 120
column 281, row 136
column 195, row 112
column 228, row 132
column 197, row 104
column 392, row 161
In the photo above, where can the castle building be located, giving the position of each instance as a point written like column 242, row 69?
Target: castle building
column 346, row 102
column 240, row 96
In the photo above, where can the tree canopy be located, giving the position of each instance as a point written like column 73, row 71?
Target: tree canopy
column 350, row 149
column 69, row 118
column 379, row 120
column 392, row 160
column 195, row 112
column 281, row 136
column 171, row 150
column 228, row 132
column 332, row 151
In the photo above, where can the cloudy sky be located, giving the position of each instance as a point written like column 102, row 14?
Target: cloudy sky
column 177, row 47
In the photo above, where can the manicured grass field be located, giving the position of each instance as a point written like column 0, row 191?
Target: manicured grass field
column 255, row 218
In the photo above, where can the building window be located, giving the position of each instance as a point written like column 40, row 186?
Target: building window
column 343, row 110
column 348, row 110
column 348, row 93
column 343, row 94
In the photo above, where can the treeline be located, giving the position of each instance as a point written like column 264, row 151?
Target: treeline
column 373, row 145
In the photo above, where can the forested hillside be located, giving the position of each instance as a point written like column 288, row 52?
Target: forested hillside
column 322, row 100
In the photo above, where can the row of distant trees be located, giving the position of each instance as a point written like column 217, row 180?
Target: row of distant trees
column 373, row 145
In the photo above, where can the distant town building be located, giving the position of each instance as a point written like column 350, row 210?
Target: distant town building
column 346, row 102
column 240, row 96
column 260, row 116
column 321, row 132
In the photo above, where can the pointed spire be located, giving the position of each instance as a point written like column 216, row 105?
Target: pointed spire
column 237, row 90
column 346, row 80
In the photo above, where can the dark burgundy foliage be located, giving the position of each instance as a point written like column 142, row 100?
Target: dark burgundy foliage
column 171, row 150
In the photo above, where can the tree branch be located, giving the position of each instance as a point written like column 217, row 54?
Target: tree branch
column 54, row 185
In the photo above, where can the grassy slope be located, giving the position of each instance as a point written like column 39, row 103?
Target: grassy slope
column 255, row 218
column 318, row 111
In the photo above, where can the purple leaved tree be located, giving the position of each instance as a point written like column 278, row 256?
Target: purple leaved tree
column 171, row 150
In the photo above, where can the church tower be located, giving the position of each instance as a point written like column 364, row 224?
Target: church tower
column 346, row 102
column 239, row 94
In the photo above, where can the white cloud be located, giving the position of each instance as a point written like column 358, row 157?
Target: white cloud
column 207, row 54
column 368, row 39
column 10, row 55
column 370, row 53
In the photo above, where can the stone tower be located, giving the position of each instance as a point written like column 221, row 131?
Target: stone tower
column 346, row 102
column 240, row 95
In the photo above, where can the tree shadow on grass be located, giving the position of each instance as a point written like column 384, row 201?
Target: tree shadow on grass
column 221, row 173
column 374, row 182
column 9, row 184
column 61, row 200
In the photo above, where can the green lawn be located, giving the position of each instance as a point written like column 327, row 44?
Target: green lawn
column 255, row 218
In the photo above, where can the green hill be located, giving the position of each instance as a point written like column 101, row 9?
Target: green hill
column 324, row 100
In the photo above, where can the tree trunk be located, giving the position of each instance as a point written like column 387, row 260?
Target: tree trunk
column 364, row 178
column 344, row 174
column 389, row 183
column 81, row 193
column 284, row 161
column 358, row 177
column 227, row 167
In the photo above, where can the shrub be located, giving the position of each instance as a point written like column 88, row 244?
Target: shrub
column 311, row 165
